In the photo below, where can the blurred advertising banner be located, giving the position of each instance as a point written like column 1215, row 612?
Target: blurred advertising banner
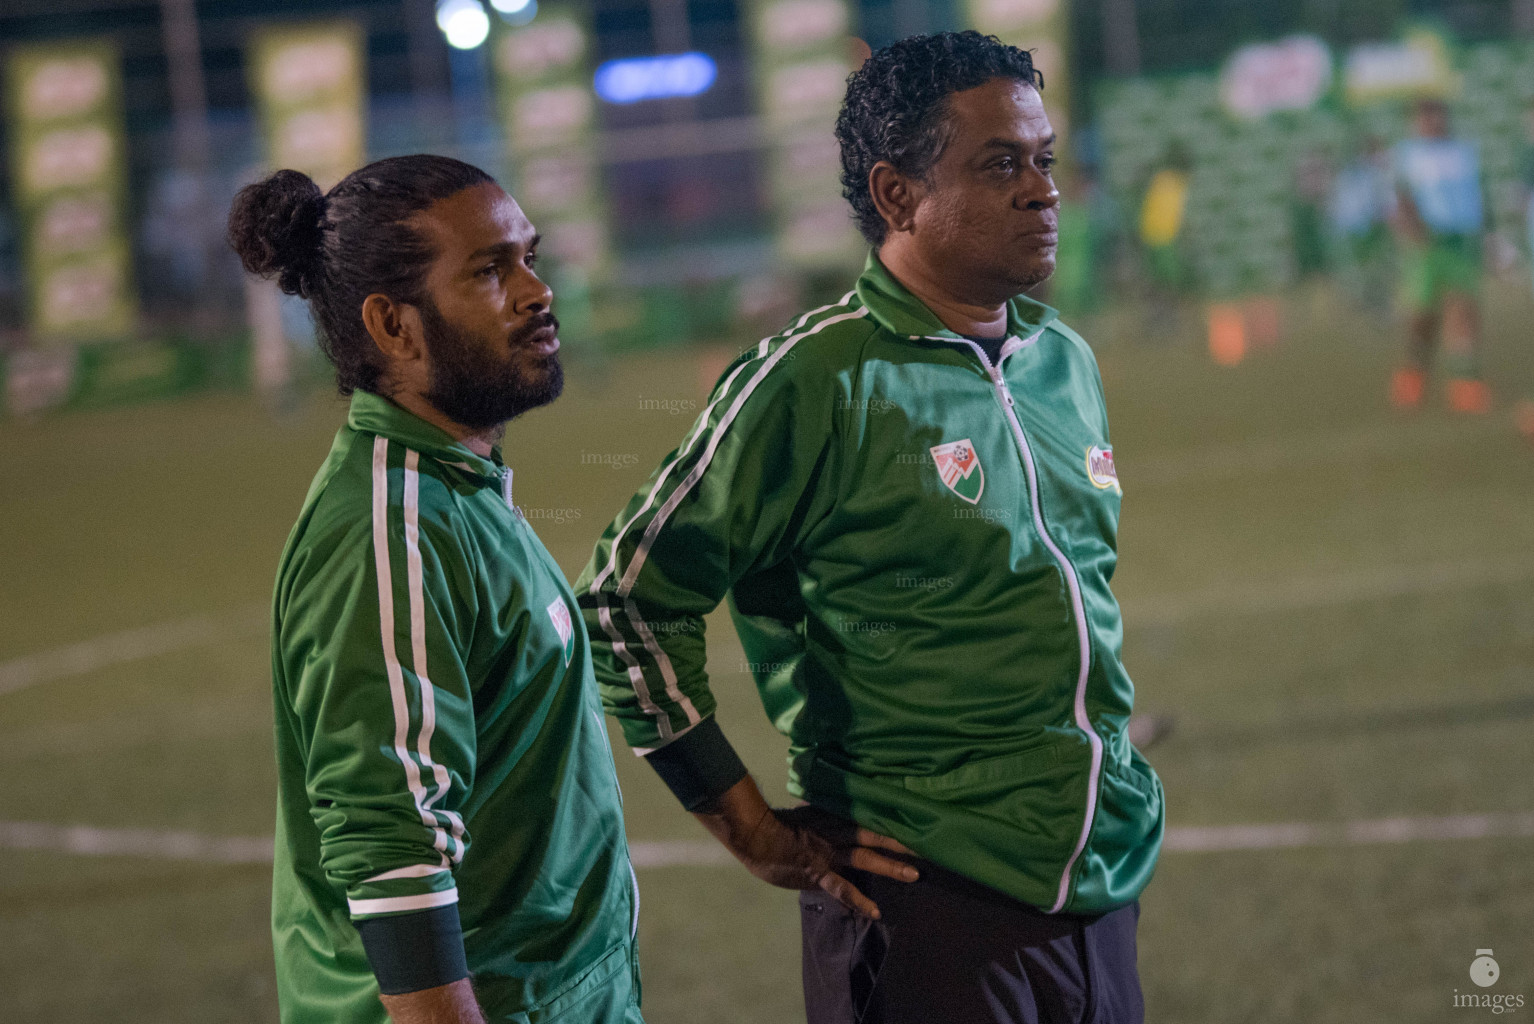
column 1038, row 26
column 64, row 108
column 804, row 52
column 307, row 80
column 36, row 381
column 1419, row 64
column 543, row 80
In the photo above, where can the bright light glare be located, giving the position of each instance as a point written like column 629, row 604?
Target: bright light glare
column 653, row 78
column 516, row 13
column 464, row 22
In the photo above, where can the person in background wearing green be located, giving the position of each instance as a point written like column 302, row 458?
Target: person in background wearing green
column 1162, row 215
column 1440, row 220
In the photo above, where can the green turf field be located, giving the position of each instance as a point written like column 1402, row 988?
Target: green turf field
column 1337, row 604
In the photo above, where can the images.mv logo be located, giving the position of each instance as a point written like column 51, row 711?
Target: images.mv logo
column 1484, row 971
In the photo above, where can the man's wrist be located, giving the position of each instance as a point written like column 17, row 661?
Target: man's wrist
column 735, row 816
column 415, row 951
column 699, row 766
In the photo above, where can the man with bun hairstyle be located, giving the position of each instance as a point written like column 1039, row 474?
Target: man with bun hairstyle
column 447, row 807
column 909, row 500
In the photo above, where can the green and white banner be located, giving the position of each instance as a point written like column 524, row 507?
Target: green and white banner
column 308, row 81
column 804, row 52
column 64, row 107
column 1248, row 144
column 548, row 109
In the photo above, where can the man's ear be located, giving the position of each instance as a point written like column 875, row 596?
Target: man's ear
column 395, row 328
column 895, row 195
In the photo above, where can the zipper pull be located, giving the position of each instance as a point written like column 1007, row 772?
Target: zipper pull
column 506, row 493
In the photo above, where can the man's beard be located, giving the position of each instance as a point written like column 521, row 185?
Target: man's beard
column 482, row 388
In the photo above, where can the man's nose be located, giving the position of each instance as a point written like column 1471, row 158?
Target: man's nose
column 1049, row 198
column 537, row 297
column 1039, row 193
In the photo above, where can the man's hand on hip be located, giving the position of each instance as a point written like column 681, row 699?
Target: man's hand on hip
column 801, row 847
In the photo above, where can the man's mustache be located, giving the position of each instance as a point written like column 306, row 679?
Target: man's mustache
column 536, row 325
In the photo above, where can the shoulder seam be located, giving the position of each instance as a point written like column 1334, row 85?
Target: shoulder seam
column 631, row 574
column 768, row 356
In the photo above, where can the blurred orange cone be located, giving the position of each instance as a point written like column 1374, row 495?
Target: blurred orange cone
column 1227, row 334
column 1406, row 387
column 1468, row 395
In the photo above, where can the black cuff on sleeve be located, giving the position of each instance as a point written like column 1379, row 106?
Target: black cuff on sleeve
column 699, row 765
column 411, row 952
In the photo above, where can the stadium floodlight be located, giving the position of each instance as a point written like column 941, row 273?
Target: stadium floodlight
column 653, row 78
column 516, row 12
column 463, row 22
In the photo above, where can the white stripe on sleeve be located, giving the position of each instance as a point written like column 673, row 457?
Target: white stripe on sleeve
column 412, row 501
column 626, row 584
column 413, row 871
column 391, row 658
column 394, row 904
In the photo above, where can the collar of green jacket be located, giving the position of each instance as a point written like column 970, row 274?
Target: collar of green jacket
column 895, row 308
column 374, row 414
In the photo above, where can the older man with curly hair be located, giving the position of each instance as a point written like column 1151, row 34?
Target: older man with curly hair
column 910, row 501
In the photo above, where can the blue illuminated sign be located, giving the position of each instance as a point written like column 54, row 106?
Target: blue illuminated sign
column 654, row 78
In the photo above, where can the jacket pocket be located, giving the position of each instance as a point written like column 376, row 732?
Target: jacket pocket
column 1126, row 836
column 603, row 981
column 1137, row 779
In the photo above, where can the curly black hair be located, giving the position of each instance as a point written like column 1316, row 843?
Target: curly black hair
column 335, row 249
column 896, row 107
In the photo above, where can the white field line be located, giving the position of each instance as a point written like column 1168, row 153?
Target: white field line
column 135, row 842
column 130, row 645
column 1221, row 838
column 151, row 844
column 679, row 853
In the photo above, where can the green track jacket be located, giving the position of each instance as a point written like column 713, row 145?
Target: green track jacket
column 439, row 736
column 917, row 547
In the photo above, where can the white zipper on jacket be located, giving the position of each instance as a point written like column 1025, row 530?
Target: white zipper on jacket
column 1008, row 406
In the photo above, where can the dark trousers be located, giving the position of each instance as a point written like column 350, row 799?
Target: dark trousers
column 947, row 950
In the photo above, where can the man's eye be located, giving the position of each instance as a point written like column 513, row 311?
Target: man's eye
column 1047, row 163
column 531, row 260
column 489, row 271
column 1005, row 164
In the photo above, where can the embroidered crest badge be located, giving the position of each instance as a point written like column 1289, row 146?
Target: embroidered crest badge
column 560, row 613
column 958, row 466
column 1101, row 471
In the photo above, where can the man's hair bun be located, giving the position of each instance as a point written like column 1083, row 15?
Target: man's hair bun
column 275, row 227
